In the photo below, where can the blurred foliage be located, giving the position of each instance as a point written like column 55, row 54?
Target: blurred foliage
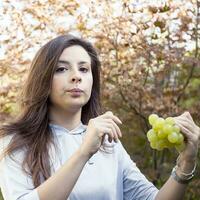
column 150, row 62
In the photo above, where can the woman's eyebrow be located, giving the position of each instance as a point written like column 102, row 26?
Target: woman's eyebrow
column 68, row 63
column 83, row 62
column 64, row 62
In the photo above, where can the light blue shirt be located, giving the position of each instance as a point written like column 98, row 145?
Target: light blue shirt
column 106, row 176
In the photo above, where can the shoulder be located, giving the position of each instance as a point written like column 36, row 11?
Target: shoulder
column 4, row 142
column 16, row 156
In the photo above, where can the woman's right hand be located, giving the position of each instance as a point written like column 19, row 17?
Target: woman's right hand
column 97, row 129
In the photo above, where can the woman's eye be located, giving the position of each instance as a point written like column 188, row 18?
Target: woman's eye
column 83, row 69
column 61, row 69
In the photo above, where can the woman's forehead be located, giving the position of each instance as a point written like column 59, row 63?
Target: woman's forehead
column 75, row 53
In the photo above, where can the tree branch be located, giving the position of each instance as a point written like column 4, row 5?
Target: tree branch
column 196, row 55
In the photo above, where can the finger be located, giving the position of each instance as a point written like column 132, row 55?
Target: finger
column 185, row 132
column 187, row 115
column 110, row 125
column 119, row 133
column 186, row 125
column 189, row 135
column 193, row 136
column 117, row 129
column 109, row 115
column 181, row 117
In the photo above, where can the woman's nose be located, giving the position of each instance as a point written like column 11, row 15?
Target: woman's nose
column 76, row 78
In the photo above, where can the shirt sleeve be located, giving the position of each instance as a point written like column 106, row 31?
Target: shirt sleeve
column 14, row 182
column 135, row 184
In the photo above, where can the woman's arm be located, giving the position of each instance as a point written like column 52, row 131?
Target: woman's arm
column 16, row 184
column 173, row 189
column 60, row 185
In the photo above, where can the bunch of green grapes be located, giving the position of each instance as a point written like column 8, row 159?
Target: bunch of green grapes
column 164, row 133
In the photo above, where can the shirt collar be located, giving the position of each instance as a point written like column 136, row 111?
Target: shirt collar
column 81, row 128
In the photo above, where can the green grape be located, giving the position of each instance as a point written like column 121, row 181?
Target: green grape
column 170, row 120
column 151, row 135
column 153, row 145
column 169, row 144
column 167, row 129
column 159, row 148
column 176, row 129
column 164, row 133
column 161, row 134
column 158, row 125
column 152, row 118
column 160, row 145
column 173, row 137
column 180, row 138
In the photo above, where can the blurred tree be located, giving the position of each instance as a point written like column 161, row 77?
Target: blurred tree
column 150, row 62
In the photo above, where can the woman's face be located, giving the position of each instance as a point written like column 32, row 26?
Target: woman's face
column 72, row 81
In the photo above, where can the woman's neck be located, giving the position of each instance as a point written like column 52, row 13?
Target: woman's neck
column 66, row 119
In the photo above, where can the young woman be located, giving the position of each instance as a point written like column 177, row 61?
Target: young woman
column 62, row 147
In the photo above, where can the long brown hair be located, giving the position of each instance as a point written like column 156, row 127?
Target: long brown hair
column 31, row 129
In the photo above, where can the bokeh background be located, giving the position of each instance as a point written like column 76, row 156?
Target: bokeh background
column 150, row 62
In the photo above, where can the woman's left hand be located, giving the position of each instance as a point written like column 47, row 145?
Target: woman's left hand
column 191, row 133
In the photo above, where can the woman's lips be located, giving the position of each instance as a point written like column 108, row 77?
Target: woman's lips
column 75, row 92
